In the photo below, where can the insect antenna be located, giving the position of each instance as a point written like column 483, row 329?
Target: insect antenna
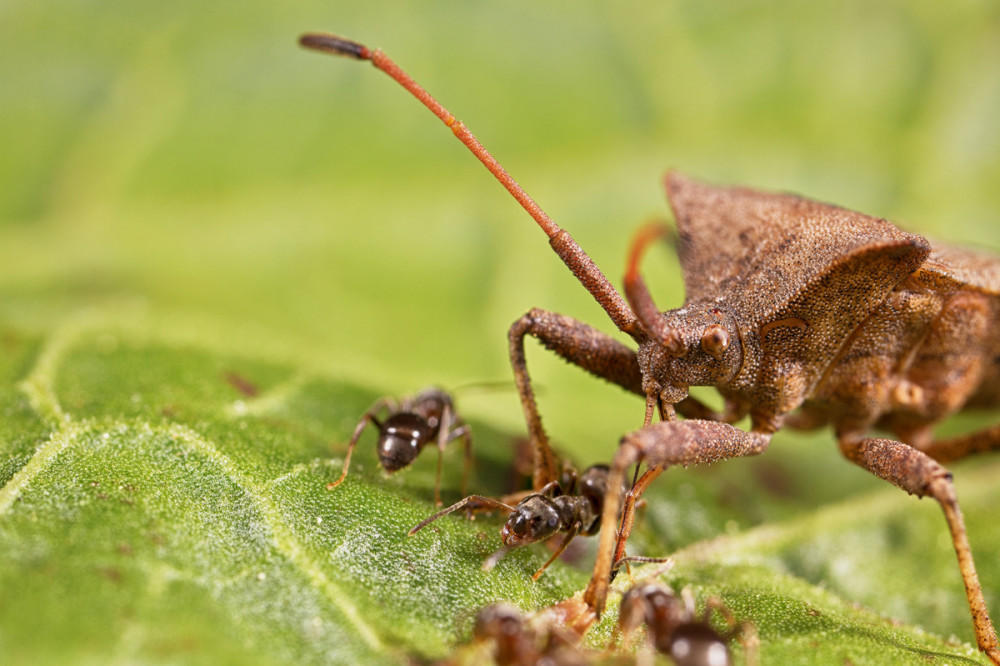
column 589, row 275
column 639, row 297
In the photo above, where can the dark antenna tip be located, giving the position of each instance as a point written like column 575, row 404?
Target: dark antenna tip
column 318, row 41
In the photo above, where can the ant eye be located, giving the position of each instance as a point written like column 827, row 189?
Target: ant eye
column 715, row 341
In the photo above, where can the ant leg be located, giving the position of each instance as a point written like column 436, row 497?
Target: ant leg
column 581, row 345
column 573, row 531
column 466, row 434
column 369, row 417
column 445, row 435
column 746, row 630
column 918, row 474
column 661, row 445
column 483, row 502
column 956, row 448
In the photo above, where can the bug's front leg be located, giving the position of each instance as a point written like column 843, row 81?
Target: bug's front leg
column 660, row 445
column 920, row 475
column 581, row 345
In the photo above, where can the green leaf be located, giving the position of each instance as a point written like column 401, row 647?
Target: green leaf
column 217, row 250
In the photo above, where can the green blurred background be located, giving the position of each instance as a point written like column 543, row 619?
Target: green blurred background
column 186, row 170
column 188, row 160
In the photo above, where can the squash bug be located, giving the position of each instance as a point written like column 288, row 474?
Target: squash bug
column 799, row 313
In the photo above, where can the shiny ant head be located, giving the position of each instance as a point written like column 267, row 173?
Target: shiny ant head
column 401, row 438
column 535, row 518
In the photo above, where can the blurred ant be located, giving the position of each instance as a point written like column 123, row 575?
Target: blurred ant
column 408, row 427
column 572, row 505
column 674, row 628
column 515, row 642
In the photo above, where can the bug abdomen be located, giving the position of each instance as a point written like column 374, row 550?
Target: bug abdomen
column 930, row 349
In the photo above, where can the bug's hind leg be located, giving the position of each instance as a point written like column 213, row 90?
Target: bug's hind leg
column 918, row 474
column 956, row 448
column 581, row 345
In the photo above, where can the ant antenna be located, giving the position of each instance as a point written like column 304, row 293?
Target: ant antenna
column 562, row 243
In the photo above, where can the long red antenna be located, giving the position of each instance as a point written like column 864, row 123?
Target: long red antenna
column 568, row 250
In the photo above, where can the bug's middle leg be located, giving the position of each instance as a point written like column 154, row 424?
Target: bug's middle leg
column 581, row 345
column 956, row 448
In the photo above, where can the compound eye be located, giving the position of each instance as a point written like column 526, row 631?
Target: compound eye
column 715, row 341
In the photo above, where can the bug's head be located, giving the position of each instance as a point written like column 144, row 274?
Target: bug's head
column 535, row 518
column 697, row 345
column 400, row 439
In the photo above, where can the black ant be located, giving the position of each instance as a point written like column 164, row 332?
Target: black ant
column 409, row 426
column 515, row 642
column 674, row 628
column 572, row 505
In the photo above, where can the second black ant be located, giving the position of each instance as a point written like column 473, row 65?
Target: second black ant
column 408, row 427
column 572, row 505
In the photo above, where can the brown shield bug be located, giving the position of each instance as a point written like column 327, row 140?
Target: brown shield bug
column 800, row 314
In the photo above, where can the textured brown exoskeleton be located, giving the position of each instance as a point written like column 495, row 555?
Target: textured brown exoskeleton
column 791, row 305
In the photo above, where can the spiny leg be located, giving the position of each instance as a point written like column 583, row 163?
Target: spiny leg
column 956, row 448
column 581, row 345
column 918, row 474
column 661, row 445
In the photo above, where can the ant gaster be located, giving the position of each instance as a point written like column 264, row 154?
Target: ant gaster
column 410, row 425
column 674, row 628
column 572, row 505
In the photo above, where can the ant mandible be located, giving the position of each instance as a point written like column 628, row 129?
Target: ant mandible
column 572, row 505
column 410, row 425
